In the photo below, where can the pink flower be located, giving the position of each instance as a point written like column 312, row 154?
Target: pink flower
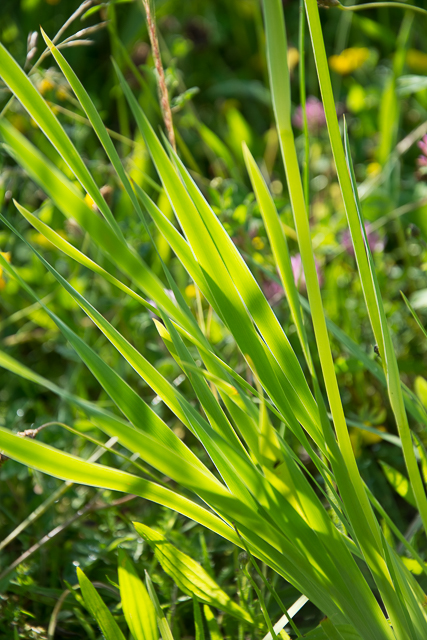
column 376, row 243
column 298, row 272
column 315, row 115
column 272, row 289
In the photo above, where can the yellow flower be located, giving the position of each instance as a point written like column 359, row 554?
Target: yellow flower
column 349, row 60
column 42, row 241
column 6, row 256
column 293, row 58
column 416, row 61
column 360, row 439
column 373, row 169
column 258, row 243
column 190, row 291
column 45, row 86
column 372, row 438
column 90, row 201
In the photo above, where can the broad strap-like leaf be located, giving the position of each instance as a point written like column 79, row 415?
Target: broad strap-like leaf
column 279, row 245
column 188, row 574
column 163, row 625
column 58, row 464
column 72, row 205
column 139, row 611
column 226, row 295
column 19, row 83
column 98, row 609
column 387, row 352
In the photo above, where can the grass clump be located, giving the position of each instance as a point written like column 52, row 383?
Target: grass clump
column 217, row 405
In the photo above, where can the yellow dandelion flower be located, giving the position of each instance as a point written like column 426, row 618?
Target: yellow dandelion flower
column 349, row 60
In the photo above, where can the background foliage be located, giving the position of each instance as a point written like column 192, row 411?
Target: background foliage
column 214, row 54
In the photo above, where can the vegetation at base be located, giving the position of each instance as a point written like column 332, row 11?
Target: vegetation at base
column 213, row 348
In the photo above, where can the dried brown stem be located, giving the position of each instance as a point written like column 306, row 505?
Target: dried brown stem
column 163, row 90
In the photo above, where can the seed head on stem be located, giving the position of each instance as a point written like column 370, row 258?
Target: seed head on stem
column 163, row 90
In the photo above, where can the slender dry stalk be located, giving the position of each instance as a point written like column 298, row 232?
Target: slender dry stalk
column 90, row 507
column 163, row 90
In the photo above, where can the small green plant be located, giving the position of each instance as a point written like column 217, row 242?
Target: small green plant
column 254, row 491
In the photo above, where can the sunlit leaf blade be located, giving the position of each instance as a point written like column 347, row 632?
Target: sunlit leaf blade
column 399, row 483
column 176, row 402
column 414, row 314
column 233, row 463
column 190, row 576
column 163, row 625
column 67, row 467
column 227, row 299
column 137, row 606
column 412, row 403
column 70, row 202
column 214, row 630
column 387, row 352
column 251, row 293
column 32, row 101
column 67, row 248
column 352, row 490
column 356, row 503
column 267, row 499
column 198, row 621
column 92, row 114
column 154, row 440
column 279, row 245
column 98, row 609
column 163, row 459
column 135, row 409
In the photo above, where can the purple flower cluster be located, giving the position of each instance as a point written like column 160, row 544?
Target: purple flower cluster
column 315, row 115
column 375, row 241
column 272, row 290
column 298, row 272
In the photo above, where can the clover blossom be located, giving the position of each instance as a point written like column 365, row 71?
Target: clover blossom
column 375, row 241
column 315, row 115
column 298, row 272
